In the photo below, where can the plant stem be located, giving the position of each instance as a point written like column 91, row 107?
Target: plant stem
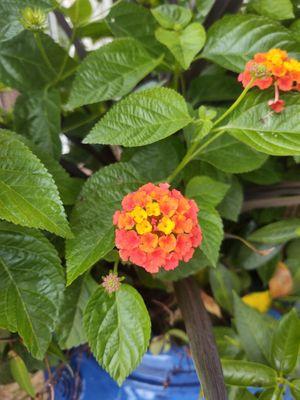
column 193, row 150
column 202, row 342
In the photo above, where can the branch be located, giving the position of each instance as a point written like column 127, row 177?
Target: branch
column 271, row 202
column 202, row 342
column 79, row 47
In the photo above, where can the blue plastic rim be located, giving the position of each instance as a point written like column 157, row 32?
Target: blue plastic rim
column 167, row 376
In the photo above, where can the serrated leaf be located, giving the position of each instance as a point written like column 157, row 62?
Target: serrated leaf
column 234, row 39
column 255, row 331
column 207, row 190
column 91, row 219
column 70, row 330
column 185, row 44
column 37, row 117
column 185, row 269
column 172, row 16
column 230, row 207
column 28, row 195
column 22, row 65
column 223, row 282
column 229, row 155
column 111, row 71
column 11, row 13
column 118, row 330
column 244, row 373
column 151, row 160
column 133, row 20
column 31, row 286
column 286, row 343
column 277, row 232
column 279, row 10
column 142, row 118
column 270, row 133
column 212, row 230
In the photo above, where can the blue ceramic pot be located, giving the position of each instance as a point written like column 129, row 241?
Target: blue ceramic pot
column 168, row 376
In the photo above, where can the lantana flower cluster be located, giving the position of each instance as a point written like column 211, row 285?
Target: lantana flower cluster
column 157, row 227
column 272, row 68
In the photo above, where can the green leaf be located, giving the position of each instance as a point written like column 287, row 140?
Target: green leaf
column 80, row 12
column 235, row 393
column 286, row 343
column 91, row 219
column 196, row 264
column 70, row 330
column 250, row 260
column 233, row 40
column 151, row 160
column 255, row 331
column 277, row 232
column 270, row 133
column 130, row 19
column 142, row 118
column 31, row 286
column 295, row 28
column 229, row 155
column 230, row 207
column 212, row 230
column 206, row 190
column 227, row 341
column 279, row 10
column 172, row 16
column 111, row 71
column 244, row 373
column 185, row 44
column 94, row 30
column 11, row 14
column 28, row 195
column 37, row 116
column 118, row 330
column 295, row 388
column 23, row 66
column 223, row 282
column 270, row 394
column 214, row 86
column 20, row 373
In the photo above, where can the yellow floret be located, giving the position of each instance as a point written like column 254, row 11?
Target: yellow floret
column 166, row 225
column 276, row 56
column 261, row 301
column 138, row 214
column 143, row 227
column 153, row 209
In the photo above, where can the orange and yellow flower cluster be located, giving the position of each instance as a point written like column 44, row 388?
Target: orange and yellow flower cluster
column 272, row 68
column 157, row 227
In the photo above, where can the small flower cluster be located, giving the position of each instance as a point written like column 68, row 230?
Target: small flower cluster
column 157, row 227
column 272, row 68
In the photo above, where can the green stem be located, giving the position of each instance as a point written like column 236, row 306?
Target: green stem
column 193, row 151
column 116, row 265
column 235, row 104
column 42, row 51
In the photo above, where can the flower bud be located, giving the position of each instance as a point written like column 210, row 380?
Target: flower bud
column 33, row 19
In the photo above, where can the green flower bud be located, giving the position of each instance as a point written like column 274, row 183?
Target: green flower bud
column 33, row 19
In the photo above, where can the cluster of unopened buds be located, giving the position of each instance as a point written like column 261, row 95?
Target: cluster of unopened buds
column 157, row 227
column 272, row 68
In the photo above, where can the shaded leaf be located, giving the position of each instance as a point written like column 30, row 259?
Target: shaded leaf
column 31, row 286
column 277, row 232
column 70, row 330
column 206, row 190
column 230, row 207
column 37, row 116
column 20, row 373
column 118, row 330
column 279, row 10
column 91, row 219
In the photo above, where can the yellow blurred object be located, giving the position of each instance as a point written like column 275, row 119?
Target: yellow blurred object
column 261, row 301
